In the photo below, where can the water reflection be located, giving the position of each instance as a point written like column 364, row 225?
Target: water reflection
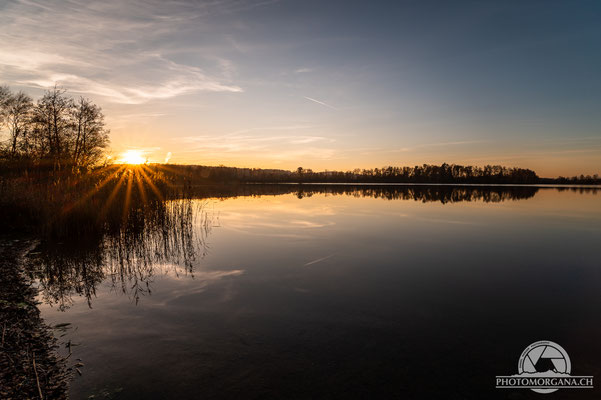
column 172, row 235
column 423, row 193
column 167, row 235
column 335, row 293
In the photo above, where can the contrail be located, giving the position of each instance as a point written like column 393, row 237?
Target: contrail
column 318, row 260
column 320, row 102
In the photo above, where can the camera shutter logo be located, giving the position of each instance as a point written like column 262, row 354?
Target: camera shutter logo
column 544, row 367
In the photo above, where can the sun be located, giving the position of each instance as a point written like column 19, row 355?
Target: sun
column 132, row 157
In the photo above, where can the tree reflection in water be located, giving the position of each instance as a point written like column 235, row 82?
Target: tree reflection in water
column 171, row 234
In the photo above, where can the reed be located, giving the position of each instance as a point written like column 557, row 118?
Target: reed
column 71, row 205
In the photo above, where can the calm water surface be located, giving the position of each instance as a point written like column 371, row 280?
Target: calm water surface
column 335, row 293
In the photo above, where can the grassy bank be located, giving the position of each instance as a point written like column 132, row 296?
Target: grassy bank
column 114, row 208
column 29, row 366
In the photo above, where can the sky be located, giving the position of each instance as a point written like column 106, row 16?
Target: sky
column 331, row 85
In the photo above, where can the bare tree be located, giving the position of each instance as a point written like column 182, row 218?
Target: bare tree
column 4, row 96
column 57, row 130
column 52, row 116
column 16, row 113
column 90, row 134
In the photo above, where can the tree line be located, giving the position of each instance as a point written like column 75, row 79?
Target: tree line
column 56, row 130
column 426, row 173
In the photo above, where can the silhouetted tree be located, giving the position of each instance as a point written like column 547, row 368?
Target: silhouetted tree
column 4, row 96
column 55, row 131
column 52, row 117
column 90, row 134
column 16, row 113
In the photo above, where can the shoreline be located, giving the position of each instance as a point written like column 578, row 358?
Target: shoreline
column 29, row 364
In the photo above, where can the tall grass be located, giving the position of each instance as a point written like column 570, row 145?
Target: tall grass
column 71, row 205
column 118, row 222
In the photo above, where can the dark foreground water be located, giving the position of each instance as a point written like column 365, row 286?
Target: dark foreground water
column 333, row 292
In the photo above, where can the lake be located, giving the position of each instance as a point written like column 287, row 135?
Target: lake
column 331, row 291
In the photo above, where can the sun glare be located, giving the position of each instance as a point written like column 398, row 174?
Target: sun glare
column 132, row 157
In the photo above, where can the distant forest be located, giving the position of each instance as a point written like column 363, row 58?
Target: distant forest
column 426, row 173
column 60, row 135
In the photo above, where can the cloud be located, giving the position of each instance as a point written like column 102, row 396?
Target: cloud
column 276, row 148
column 112, row 49
column 457, row 143
column 318, row 260
column 167, row 157
column 438, row 144
column 417, row 147
column 320, row 102
column 244, row 143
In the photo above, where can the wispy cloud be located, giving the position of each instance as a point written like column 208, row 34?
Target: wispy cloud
column 457, row 143
column 439, row 144
column 275, row 148
column 290, row 127
column 243, row 143
column 110, row 49
column 318, row 260
column 320, row 102
column 417, row 147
